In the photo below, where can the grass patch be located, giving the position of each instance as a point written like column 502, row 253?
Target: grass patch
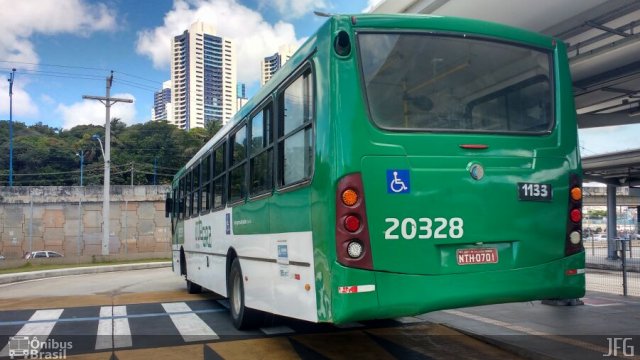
column 29, row 266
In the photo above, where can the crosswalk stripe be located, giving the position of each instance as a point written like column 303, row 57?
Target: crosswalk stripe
column 113, row 328
column 41, row 327
column 190, row 325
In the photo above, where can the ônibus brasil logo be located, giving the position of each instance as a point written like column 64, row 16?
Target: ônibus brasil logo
column 26, row 347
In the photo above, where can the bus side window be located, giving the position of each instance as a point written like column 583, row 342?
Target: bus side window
column 205, row 172
column 196, row 190
column 261, row 152
column 181, row 198
column 189, row 194
column 295, row 147
column 219, row 176
column 237, row 168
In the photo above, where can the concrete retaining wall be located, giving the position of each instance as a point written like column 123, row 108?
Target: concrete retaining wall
column 69, row 220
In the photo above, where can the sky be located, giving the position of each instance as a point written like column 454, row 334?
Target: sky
column 64, row 49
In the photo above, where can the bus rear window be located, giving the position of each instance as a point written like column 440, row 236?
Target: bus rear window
column 426, row 82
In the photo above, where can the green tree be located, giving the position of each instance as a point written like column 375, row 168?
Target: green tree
column 48, row 156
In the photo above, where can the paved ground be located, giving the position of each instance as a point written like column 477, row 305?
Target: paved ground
column 147, row 314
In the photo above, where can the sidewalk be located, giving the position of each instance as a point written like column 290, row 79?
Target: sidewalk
column 33, row 275
column 606, row 324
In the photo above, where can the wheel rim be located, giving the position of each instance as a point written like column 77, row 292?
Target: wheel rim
column 235, row 296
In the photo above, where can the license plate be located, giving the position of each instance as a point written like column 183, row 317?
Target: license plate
column 477, row 256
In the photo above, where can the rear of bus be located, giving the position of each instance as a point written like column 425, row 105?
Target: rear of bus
column 462, row 185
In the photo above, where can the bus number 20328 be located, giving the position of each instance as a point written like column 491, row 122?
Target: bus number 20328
column 424, row 228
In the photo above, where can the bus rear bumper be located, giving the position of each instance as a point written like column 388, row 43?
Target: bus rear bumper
column 365, row 295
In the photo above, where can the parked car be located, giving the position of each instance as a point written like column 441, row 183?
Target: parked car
column 42, row 254
column 602, row 237
column 1, row 257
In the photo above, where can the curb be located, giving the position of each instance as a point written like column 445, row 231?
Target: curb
column 34, row 275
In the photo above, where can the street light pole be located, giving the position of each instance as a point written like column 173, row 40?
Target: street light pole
column 107, row 101
column 11, row 78
column 80, row 154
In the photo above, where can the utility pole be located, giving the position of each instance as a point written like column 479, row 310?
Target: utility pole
column 11, row 78
column 107, row 101
column 155, row 169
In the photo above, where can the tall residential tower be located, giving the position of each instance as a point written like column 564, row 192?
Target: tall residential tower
column 203, row 73
column 272, row 63
column 162, row 109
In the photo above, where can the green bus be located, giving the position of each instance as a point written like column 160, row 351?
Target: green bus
column 395, row 165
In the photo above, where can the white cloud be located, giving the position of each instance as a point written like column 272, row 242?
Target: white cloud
column 291, row 9
column 23, row 105
column 88, row 112
column 24, row 18
column 253, row 36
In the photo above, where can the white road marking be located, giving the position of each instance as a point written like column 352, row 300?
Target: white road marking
column 113, row 333
column 43, row 323
column 190, row 326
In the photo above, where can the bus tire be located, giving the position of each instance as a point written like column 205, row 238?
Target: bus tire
column 193, row 288
column 242, row 317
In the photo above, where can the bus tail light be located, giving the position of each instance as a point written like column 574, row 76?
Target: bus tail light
column 573, row 241
column 353, row 246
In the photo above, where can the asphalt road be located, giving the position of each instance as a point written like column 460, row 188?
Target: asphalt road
column 147, row 314
column 138, row 281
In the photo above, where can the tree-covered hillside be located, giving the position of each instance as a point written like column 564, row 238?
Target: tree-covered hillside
column 43, row 155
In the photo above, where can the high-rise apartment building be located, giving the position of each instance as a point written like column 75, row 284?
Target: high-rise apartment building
column 272, row 63
column 162, row 109
column 242, row 96
column 203, row 72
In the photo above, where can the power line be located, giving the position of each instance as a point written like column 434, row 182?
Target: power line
column 154, row 82
column 139, row 77
column 54, row 65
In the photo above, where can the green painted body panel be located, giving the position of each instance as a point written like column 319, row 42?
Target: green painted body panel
column 404, row 295
column 419, row 275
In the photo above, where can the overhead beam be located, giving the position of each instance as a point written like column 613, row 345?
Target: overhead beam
column 586, row 121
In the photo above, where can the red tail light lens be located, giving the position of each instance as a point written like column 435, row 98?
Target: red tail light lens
column 353, row 247
column 576, row 215
column 352, row 223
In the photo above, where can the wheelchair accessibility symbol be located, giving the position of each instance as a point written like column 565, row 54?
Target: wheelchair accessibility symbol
column 397, row 181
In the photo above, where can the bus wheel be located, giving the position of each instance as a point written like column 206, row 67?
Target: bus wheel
column 242, row 317
column 193, row 288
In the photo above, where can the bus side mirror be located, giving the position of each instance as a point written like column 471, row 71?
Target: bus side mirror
column 168, row 206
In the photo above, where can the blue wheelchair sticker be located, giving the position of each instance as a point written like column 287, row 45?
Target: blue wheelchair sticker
column 398, row 181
